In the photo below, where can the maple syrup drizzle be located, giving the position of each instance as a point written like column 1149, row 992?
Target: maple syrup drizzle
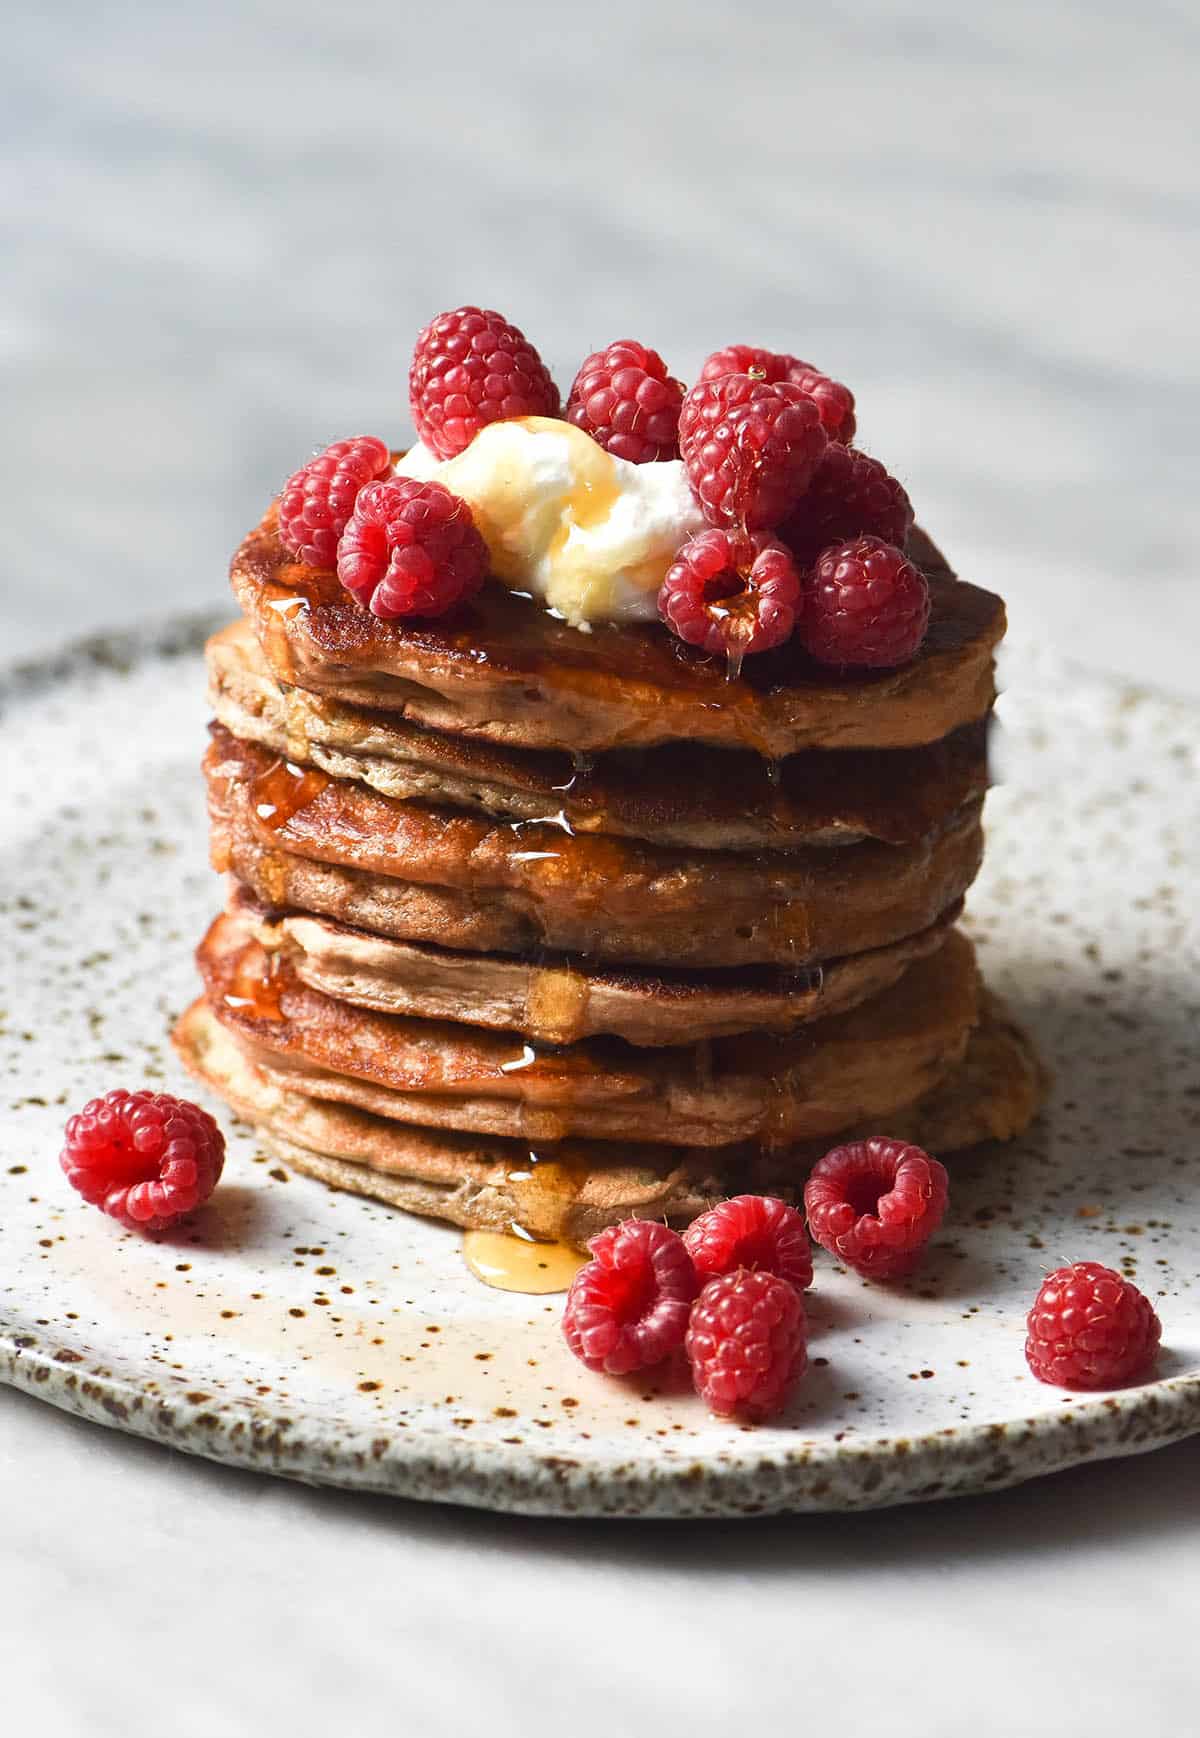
column 532, row 1255
column 283, row 790
column 273, row 877
column 295, row 725
column 582, row 767
column 557, row 1003
column 254, row 985
column 290, row 600
column 544, row 1190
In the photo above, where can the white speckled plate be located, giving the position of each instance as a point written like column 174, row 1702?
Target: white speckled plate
column 316, row 1335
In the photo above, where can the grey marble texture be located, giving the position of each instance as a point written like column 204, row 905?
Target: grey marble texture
column 221, row 226
column 224, row 224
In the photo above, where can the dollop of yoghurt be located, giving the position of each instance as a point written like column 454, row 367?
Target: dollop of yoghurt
column 588, row 534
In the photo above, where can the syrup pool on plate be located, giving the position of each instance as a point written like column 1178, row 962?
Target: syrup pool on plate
column 514, row 1261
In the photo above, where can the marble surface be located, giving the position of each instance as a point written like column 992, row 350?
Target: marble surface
column 222, row 226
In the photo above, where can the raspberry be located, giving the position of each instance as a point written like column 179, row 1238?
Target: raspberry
column 411, row 549
column 732, row 592
column 629, row 1306
column 319, row 498
column 851, row 495
column 746, row 1343
column 625, row 399
column 750, row 448
column 834, row 401
column 752, row 1231
column 875, row 1204
column 146, row 1158
column 1089, row 1328
column 866, row 604
column 471, row 367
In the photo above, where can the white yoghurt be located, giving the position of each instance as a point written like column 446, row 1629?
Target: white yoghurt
column 589, row 535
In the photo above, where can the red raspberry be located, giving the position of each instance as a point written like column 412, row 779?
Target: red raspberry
column 146, row 1158
column 1089, row 1328
column 411, row 549
column 625, row 399
column 746, row 1343
column 471, row 367
column 834, row 401
column 875, row 1204
column 851, row 495
column 866, row 604
column 319, row 498
column 750, row 448
column 751, row 1231
column 629, row 1306
column 732, row 592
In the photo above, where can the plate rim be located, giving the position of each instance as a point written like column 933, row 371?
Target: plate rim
column 422, row 1462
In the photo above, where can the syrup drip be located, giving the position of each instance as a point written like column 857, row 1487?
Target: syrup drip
column 559, row 820
column 539, row 1122
column 253, row 985
column 290, row 601
column 283, row 790
column 295, row 722
column 544, row 1191
column 582, row 766
column 786, row 1100
column 526, row 1059
column 273, row 877
column 556, row 1003
column 514, row 1261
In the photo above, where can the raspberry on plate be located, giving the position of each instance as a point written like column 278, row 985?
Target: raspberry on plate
column 411, row 549
column 875, row 1204
column 146, row 1158
column 319, row 498
column 470, row 367
column 746, row 1343
column 731, row 592
column 629, row 1306
column 751, row 1231
column 834, row 401
column 866, row 605
column 750, row 448
column 1089, row 1328
column 625, row 399
column 851, row 495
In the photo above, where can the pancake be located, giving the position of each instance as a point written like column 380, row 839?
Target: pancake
column 303, row 841
column 503, row 670
column 485, row 1183
column 555, row 1000
column 683, row 794
column 870, row 1061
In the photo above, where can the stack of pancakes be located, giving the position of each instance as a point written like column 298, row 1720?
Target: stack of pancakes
column 530, row 928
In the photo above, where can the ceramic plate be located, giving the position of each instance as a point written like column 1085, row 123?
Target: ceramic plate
column 315, row 1335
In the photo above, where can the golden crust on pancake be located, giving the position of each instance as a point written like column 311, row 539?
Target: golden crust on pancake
column 487, row 1183
column 868, row 1062
column 504, row 670
column 557, row 1000
column 418, row 873
column 683, row 794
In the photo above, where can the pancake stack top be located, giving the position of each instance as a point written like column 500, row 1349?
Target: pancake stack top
column 531, row 928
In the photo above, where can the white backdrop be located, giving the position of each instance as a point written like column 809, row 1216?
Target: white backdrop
column 222, row 226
